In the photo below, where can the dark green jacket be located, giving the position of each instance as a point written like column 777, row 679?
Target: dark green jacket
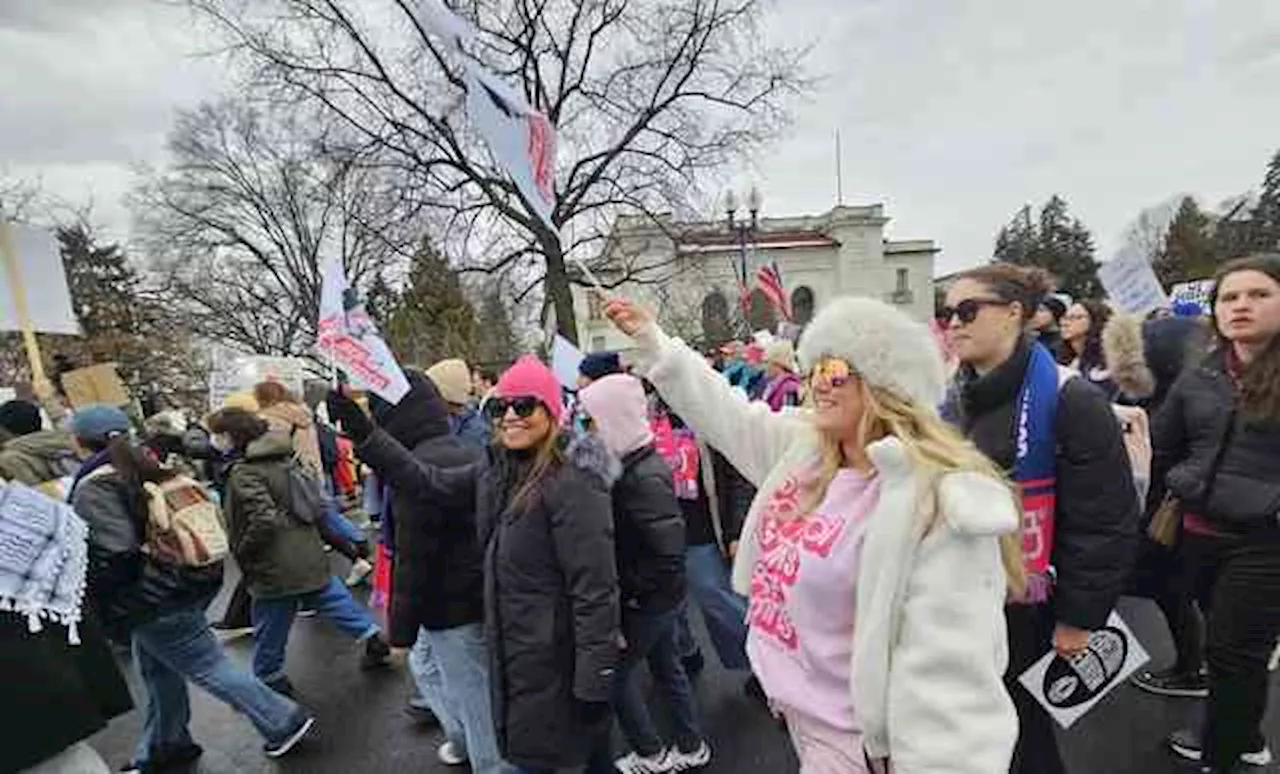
column 279, row 555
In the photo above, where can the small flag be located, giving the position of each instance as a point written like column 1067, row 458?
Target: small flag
column 769, row 280
column 348, row 338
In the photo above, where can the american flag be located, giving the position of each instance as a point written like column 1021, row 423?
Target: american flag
column 769, row 280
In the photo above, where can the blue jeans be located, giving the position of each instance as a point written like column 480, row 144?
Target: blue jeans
column 652, row 638
column 723, row 609
column 273, row 618
column 179, row 647
column 451, row 669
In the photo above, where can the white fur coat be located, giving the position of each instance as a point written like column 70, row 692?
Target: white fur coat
column 929, row 649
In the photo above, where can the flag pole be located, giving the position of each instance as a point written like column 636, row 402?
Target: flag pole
column 18, row 292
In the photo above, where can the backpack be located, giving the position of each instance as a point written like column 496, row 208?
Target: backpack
column 184, row 525
column 305, row 502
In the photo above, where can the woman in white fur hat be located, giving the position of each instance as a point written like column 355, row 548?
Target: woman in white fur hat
column 877, row 554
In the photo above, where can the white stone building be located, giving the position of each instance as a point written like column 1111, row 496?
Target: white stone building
column 688, row 272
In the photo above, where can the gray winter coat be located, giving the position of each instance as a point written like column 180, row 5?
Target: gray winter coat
column 550, row 591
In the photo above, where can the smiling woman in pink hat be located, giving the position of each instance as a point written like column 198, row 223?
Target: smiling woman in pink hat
column 545, row 522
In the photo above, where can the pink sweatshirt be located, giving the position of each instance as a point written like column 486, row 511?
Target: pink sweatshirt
column 803, row 593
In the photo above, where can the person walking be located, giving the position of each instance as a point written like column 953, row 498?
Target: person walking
column 873, row 551
column 452, row 379
column 1059, row 438
column 649, row 537
column 544, row 520
column 1082, row 351
column 782, row 390
column 158, row 606
column 1216, row 456
column 437, row 595
column 273, row 507
column 32, row 455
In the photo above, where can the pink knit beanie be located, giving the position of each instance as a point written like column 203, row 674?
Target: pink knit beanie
column 529, row 378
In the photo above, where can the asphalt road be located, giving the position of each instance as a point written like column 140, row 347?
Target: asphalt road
column 362, row 727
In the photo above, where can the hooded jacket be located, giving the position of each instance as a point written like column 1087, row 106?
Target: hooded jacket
column 929, row 648
column 648, row 522
column 550, row 588
column 279, row 555
column 437, row 578
column 38, row 458
column 1146, row 358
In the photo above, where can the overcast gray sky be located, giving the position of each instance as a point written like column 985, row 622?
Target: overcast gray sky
column 952, row 112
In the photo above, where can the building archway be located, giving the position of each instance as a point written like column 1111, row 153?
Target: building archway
column 802, row 305
column 761, row 315
column 716, row 326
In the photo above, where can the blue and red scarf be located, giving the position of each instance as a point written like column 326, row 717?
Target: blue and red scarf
column 1035, row 466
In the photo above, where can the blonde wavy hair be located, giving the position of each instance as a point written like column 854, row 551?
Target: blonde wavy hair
column 931, row 444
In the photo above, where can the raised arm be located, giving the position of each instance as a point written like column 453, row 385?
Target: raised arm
column 751, row 436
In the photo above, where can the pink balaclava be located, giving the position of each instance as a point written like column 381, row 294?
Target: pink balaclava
column 620, row 410
column 529, row 378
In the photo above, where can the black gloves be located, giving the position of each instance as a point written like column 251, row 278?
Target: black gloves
column 344, row 411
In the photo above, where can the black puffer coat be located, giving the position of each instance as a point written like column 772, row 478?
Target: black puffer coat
column 550, row 591
column 650, row 534
column 1097, row 511
column 1185, row 438
column 438, row 576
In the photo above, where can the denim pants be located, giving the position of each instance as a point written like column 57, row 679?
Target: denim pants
column 273, row 618
column 179, row 647
column 651, row 637
column 723, row 609
column 451, row 669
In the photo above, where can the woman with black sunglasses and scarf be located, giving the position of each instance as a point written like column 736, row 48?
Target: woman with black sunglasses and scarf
column 1058, row 438
column 544, row 519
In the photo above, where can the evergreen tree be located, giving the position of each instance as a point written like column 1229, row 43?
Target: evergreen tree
column 380, row 300
column 432, row 318
column 1265, row 217
column 1188, row 252
column 496, row 341
column 1054, row 241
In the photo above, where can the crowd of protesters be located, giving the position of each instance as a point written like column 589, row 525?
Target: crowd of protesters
column 882, row 526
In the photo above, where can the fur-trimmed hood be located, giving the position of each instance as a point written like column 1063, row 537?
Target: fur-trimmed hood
column 588, row 453
column 1126, row 358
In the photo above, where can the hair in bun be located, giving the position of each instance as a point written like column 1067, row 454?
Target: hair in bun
column 1027, row 285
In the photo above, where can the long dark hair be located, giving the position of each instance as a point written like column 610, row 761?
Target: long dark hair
column 1091, row 355
column 135, row 465
column 1260, row 380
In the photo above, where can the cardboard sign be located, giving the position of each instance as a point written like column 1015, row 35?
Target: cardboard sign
column 1068, row 689
column 1131, row 283
column 44, row 281
column 95, row 384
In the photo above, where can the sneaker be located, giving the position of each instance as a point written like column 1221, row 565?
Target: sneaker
column 307, row 613
column 635, row 763
column 281, row 685
column 376, row 653
column 1185, row 685
column 361, row 569
column 450, row 755
column 687, row 761
column 166, row 759
column 1186, row 745
column 226, row 633
column 282, row 748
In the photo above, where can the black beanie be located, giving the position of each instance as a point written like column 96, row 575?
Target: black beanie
column 20, row 417
column 600, row 364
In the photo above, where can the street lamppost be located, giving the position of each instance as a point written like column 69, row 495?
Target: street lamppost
column 743, row 229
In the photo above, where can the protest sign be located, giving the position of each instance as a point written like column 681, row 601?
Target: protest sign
column 349, row 339
column 1195, row 292
column 565, row 359
column 233, row 371
column 98, row 383
column 38, row 265
column 1131, row 283
column 1068, row 689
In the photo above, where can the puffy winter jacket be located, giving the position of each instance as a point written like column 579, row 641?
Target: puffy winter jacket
column 1186, row 436
column 37, row 458
column 650, row 534
column 279, row 555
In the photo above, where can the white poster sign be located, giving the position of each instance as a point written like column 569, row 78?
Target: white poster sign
column 1131, row 282
column 1195, row 292
column 45, row 281
column 349, row 339
column 1068, row 689
column 236, row 372
column 565, row 359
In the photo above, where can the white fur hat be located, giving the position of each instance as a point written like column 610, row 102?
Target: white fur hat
column 887, row 348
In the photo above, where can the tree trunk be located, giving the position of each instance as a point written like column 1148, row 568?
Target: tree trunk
column 558, row 288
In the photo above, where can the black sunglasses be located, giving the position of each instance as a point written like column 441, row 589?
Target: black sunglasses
column 524, row 407
column 967, row 310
